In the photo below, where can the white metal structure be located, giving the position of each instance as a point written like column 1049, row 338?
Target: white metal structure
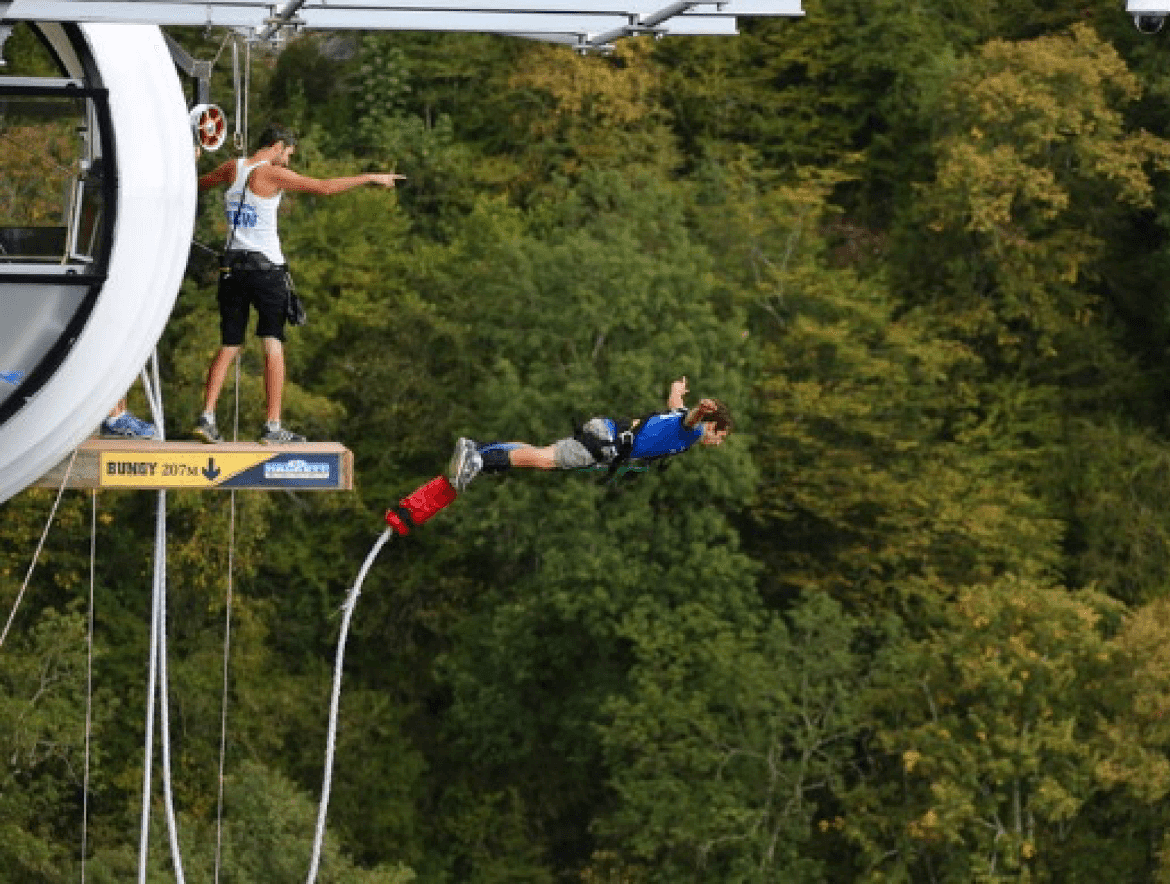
column 84, row 299
column 1148, row 15
column 586, row 23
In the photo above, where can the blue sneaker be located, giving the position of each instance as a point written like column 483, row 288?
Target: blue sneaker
column 127, row 426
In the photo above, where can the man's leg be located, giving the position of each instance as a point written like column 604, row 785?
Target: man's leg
column 216, row 375
column 206, row 427
column 273, row 376
column 534, row 458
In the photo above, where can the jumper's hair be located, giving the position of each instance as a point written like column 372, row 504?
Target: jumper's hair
column 721, row 416
column 273, row 134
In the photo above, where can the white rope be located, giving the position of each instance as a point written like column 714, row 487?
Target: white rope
column 247, row 89
column 88, row 685
column 237, row 137
column 222, row 43
column 163, row 684
column 236, row 412
column 148, row 749
column 152, row 387
column 227, row 640
column 37, row 552
column 157, row 679
column 348, row 607
column 240, row 137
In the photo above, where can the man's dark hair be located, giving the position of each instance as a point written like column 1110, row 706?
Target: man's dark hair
column 721, row 416
column 273, row 134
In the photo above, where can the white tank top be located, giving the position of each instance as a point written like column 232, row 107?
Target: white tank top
column 256, row 229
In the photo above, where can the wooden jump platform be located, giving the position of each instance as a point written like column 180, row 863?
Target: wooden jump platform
column 121, row 463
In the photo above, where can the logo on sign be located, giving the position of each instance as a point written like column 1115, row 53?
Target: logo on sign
column 296, row 469
column 11, row 377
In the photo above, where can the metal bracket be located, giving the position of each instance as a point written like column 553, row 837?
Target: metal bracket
column 199, row 71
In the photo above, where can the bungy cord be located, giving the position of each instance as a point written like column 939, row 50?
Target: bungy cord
column 347, row 608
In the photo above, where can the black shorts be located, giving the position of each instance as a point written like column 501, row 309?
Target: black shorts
column 244, row 287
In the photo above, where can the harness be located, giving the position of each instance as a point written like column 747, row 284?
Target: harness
column 615, row 454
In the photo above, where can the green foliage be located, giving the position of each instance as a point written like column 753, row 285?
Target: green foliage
column 731, row 740
column 1032, row 147
column 994, row 720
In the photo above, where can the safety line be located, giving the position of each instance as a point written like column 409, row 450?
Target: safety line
column 152, row 387
column 237, row 136
column 148, row 748
column 158, row 679
column 227, row 640
column 37, row 551
column 88, row 684
column 350, row 604
column 164, row 684
column 227, row 35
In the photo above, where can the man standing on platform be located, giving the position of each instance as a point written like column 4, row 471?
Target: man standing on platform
column 254, row 272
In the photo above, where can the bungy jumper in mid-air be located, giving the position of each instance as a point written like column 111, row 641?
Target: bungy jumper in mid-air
column 601, row 443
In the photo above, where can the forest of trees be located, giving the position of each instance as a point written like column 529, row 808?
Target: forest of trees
column 910, row 624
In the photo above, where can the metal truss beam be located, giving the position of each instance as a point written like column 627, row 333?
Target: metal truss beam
column 586, row 23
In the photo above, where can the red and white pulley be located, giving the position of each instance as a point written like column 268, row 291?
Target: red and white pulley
column 210, row 125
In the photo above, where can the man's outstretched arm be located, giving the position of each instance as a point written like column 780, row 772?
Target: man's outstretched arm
column 283, row 178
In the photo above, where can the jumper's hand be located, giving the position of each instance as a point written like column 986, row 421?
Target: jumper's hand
column 678, row 391
column 386, row 179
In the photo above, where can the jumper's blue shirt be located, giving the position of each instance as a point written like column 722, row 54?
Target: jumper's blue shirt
column 663, row 434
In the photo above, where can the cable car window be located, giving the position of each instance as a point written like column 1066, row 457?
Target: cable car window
column 51, row 194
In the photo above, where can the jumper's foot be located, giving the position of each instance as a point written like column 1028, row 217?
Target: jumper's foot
column 465, row 464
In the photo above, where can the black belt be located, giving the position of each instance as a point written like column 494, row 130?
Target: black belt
column 255, row 262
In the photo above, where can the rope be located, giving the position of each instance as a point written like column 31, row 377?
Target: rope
column 350, row 604
column 88, row 685
column 247, row 88
column 227, row 639
column 236, row 412
column 37, row 552
column 240, row 137
column 152, row 387
column 222, row 43
column 148, row 750
column 237, row 136
column 160, row 570
column 157, row 679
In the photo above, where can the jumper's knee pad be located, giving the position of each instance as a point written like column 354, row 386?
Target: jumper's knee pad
column 496, row 458
column 427, row 500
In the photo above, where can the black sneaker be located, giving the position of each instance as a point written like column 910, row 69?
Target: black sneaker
column 207, row 431
column 280, row 436
column 465, row 464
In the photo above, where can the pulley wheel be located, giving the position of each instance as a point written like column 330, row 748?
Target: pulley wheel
column 210, row 125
